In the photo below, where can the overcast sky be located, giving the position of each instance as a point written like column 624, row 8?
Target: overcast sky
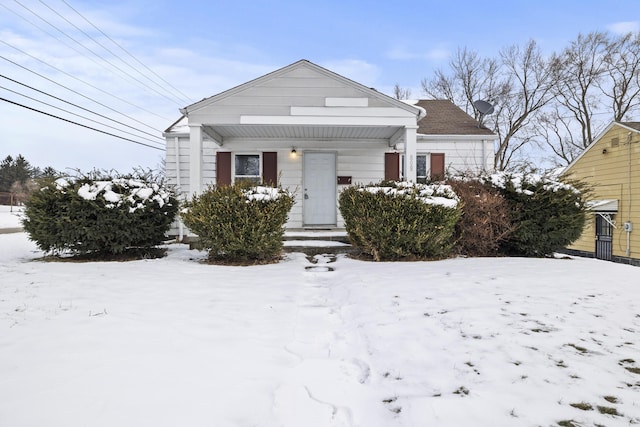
column 176, row 53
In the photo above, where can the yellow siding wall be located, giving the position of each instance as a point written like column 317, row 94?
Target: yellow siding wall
column 613, row 172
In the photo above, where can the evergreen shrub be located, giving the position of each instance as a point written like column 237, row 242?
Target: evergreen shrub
column 101, row 214
column 485, row 220
column 240, row 224
column 548, row 214
column 400, row 220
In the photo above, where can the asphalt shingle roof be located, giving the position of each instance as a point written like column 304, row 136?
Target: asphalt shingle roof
column 445, row 118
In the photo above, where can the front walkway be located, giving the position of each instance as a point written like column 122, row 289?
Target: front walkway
column 314, row 242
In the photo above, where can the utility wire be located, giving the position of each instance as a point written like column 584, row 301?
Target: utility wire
column 124, row 72
column 108, row 50
column 82, row 81
column 82, row 108
column 185, row 98
column 76, row 114
column 79, row 124
column 76, row 92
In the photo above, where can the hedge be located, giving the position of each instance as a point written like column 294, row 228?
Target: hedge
column 400, row 220
column 100, row 213
column 548, row 214
column 240, row 224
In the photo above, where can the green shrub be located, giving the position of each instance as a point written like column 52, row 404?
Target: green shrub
column 240, row 224
column 100, row 214
column 399, row 220
column 548, row 214
column 486, row 219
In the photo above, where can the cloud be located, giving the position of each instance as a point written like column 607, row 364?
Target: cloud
column 624, row 27
column 402, row 53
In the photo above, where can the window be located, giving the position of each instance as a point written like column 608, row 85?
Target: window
column 421, row 168
column 247, row 168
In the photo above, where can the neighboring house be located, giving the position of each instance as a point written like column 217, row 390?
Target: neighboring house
column 610, row 165
column 313, row 131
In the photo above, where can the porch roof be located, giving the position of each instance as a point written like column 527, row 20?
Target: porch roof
column 302, row 131
column 219, row 132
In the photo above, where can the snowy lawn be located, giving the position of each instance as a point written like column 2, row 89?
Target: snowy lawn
column 175, row 342
column 10, row 217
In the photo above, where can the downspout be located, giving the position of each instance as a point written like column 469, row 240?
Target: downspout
column 178, row 184
column 628, row 229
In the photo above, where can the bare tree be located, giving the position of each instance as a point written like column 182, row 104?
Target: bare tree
column 621, row 85
column 557, row 132
column 518, row 84
column 401, row 93
column 471, row 78
column 531, row 79
column 581, row 67
column 557, row 103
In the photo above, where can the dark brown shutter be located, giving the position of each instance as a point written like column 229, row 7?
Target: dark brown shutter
column 437, row 166
column 223, row 168
column 392, row 166
column 270, row 168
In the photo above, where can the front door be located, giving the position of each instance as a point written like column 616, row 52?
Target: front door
column 604, row 236
column 319, row 204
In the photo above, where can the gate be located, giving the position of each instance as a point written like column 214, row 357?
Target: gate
column 604, row 236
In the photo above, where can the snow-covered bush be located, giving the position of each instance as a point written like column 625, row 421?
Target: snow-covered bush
column 400, row 220
column 240, row 224
column 547, row 214
column 486, row 220
column 100, row 213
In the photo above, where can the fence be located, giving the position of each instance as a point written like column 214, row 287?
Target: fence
column 8, row 199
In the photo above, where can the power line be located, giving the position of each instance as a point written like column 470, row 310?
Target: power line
column 82, row 81
column 79, row 124
column 80, row 107
column 125, row 73
column 185, row 97
column 76, row 92
column 76, row 114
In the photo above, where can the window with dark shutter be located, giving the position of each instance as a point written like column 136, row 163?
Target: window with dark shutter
column 223, row 168
column 392, row 166
column 270, row 169
column 437, row 166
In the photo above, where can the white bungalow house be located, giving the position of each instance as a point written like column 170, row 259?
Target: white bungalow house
column 313, row 131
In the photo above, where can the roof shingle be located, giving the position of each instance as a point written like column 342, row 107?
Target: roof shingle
column 445, row 118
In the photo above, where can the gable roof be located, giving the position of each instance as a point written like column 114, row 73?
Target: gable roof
column 303, row 63
column 445, row 118
column 632, row 126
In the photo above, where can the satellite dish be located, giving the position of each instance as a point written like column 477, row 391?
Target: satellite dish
column 483, row 107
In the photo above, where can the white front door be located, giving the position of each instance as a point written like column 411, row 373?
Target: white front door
column 319, row 197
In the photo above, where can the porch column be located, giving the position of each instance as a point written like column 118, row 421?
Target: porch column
column 410, row 147
column 195, row 160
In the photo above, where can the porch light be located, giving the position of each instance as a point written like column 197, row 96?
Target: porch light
column 294, row 153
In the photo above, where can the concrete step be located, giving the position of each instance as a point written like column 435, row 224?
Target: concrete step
column 323, row 235
column 316, row 247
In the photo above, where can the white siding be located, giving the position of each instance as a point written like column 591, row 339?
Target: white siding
column 363, row 160
column 298, row 87
column 461, row 155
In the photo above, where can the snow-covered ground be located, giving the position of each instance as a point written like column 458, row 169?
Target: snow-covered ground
column 10, row 217
column 176, row 342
